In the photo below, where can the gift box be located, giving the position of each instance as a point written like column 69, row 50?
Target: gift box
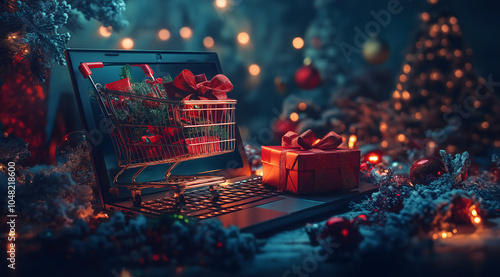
column 316, row 166
column 203, row 145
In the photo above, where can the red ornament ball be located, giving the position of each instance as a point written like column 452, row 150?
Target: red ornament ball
column 343, row 231
column 425, row 170
column 282, row 126
column 307, row 77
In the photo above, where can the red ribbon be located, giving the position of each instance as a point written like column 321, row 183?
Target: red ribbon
column 307, row 140
column 188, row 86
column 156, row 81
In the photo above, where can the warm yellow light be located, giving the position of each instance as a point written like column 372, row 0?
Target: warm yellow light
column 302, row 106
column 444, row 235
column 396, row 94
column 402, row 78
column 406, row 68
column 164, row 34
column 428, row 43
column 208, row 42
column 449, row 84
column 473, row 212
column 424, row 92
column 221, row 4
column 497, row 143
column 442, row 52
column 243, row 38
column 294, row 116
column 397, row 106
column 254, row 69
column 459, row 73
column 453, row 20
column 477, row 220
column 477, row 104
column 432, row 2
column 105, row 31
column 445, row 28
column 352, row 140
column 431, row 144
column 383, row 127
column 485, row 125
column 316, row 141
column 425, row 16
column 384, row 144
column 401, row 137
column 418, row 115
column 298, row 42
column 127, row 43
column 259, row 172
column 434, row 76
column 406, row 95
column 185, row 32
column 457, row 53
column 399, row 86
column 455, row 28
column 373, row 158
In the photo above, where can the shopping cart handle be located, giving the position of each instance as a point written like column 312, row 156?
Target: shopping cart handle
column 85, row 68
column 147, row 70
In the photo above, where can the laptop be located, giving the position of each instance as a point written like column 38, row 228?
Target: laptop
column 243, row 200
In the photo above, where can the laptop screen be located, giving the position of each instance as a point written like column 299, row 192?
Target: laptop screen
column 163, row 64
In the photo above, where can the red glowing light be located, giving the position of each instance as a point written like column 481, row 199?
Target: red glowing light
column 373, row 158
column 156, row 257
column 219, row 244
column 345, row 232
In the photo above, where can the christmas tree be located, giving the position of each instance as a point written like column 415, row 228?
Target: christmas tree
column 438, row 97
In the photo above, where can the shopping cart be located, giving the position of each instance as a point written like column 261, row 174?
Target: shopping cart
column 150, row 130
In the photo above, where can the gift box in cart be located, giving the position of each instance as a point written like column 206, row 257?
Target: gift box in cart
column 160, row 128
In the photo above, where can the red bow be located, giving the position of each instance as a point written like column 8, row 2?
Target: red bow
column 307, row 140
column 190, row 87
column 156, row 81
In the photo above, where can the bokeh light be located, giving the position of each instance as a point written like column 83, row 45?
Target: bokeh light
column 298, row 42
column 294, row 116
column 164, row 34
column 185, row 32
column 208, row 42
column 254, row 69
column 243, row 38
column 221, row 4
column 105, row 31
column 127, row 43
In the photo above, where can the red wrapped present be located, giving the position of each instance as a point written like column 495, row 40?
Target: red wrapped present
column 304, row 164
column 203, row 145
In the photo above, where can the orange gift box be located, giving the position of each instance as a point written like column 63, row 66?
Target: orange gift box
column 310, row 171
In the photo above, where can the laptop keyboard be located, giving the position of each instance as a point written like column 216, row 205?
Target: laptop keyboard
column 234, row 197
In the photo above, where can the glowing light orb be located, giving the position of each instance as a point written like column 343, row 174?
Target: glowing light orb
column 164, row 34
column 243, row 38
column 105, row 31
column 298, row 42
column 208, row 42
column 185, row 32
column 127, row 43
column 254, row 69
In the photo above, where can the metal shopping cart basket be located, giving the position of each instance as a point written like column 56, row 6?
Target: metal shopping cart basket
column 150, row 130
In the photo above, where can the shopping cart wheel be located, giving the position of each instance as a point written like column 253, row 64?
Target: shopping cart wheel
column 179, row 198
column 136, row 198
column 214, row 190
